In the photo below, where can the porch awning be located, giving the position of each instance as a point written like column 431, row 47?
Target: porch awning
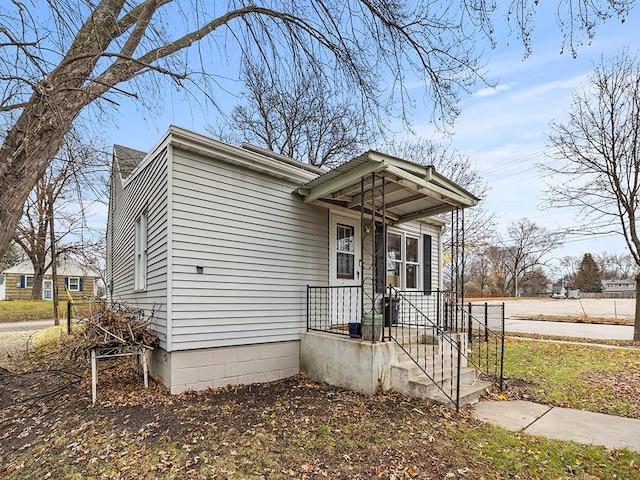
column 411, row 191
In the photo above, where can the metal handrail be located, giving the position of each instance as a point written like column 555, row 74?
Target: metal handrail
column 418, row 352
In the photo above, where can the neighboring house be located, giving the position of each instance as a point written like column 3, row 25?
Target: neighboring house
column 80, row 280
column 558, row 291
column 619, row 286
column 220, row 243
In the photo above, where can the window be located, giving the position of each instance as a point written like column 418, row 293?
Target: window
column 28, row 281
column 140, row 253
column 346, row 251
column 403, row 261
column 412, row 267
column 73, row 284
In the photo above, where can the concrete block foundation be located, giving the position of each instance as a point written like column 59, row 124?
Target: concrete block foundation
column 218, row 367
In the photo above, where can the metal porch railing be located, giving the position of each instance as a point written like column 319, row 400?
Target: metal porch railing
column 439, row 335
column 332, row 309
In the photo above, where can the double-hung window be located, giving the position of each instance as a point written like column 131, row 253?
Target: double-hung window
column 140, row 253
column 73, row 284
column 403, row 260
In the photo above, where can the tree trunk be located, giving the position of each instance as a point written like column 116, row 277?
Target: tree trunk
column 636, row 327
column 54, row 257
column 36, row 289
column 27, row 150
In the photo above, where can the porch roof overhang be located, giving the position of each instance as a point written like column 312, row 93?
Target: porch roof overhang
column 412, row 191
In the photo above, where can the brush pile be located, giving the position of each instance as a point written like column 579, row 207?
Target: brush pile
column 120, row 326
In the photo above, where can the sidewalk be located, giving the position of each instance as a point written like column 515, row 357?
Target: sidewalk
column 562, row 423
column 27, row 326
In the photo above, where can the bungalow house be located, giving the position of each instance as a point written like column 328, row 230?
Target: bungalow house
column 78, row 279
column 256, row 266
column 625, row 285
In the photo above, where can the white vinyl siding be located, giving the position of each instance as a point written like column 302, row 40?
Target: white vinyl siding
column 145, row 191
column 258, row 246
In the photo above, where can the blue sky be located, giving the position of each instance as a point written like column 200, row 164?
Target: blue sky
column 502, row 129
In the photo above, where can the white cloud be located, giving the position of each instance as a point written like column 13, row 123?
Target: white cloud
column 490, row 91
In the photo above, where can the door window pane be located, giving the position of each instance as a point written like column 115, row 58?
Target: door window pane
column 345, row 266
column 346, row 238
column 346, row 248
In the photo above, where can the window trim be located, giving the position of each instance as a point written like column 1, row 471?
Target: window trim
column 403, row 259
column 26, row 281
column 140, row 253
column 340, row 251
column 69, row 284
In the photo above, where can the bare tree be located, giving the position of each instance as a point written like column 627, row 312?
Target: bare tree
column 72, row 54
column 11, row 257
column 525, row 248
column 598, row 145
column 299, row 117
column 616, row 266
column 71, row 182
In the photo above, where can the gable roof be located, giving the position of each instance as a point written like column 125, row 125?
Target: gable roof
column 412, row 191
column 127, row 158
column 67, row 267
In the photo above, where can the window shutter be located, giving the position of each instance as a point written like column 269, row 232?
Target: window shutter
column 426, row 255
column 80, row 284
column 22, row 281
column 66, row 282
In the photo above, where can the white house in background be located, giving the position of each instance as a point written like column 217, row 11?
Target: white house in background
column 79, row 280
column 220, row 243
column 626, row 285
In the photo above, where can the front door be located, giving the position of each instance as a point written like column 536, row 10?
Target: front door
column 344, row 273
column 47, row 289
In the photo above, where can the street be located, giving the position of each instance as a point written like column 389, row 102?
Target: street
column 569, row 329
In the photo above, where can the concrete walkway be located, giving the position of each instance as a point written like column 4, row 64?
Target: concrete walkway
column 562, row 423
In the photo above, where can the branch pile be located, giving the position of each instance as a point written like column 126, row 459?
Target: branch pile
column 120, row 326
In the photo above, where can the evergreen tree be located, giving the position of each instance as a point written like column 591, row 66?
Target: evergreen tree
column 589, row 277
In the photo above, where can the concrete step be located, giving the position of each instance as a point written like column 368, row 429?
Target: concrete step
column 418, row 335
column 408, row 378
column 468, row 394
column 428, row 355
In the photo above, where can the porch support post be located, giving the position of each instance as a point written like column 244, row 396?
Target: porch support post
column 384, row 260
column 362, row 237
column 373, row 259
column 461, row 226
